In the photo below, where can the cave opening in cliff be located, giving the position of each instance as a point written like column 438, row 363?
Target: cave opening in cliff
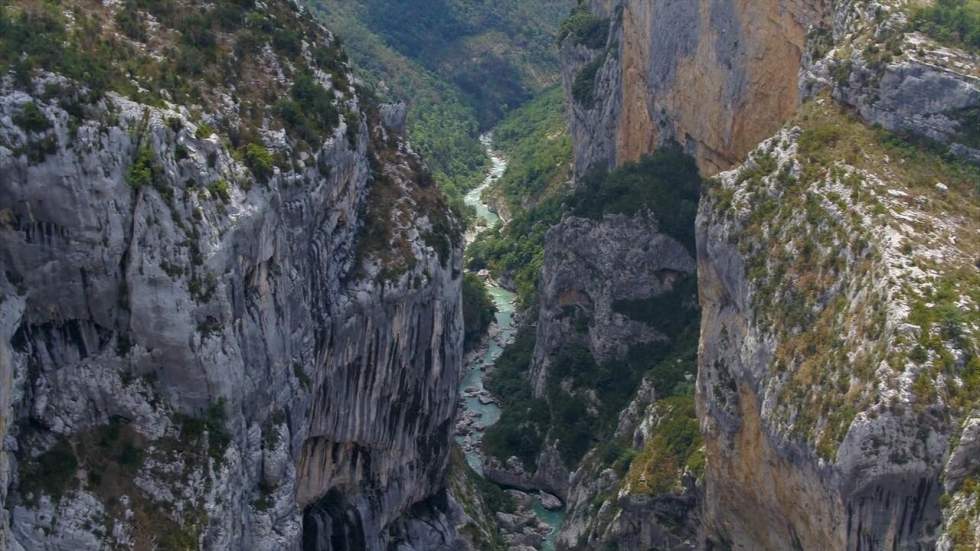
column 332, row 523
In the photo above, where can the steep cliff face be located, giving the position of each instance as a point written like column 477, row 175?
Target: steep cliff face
column 642, row 490
column 607, row 287
column 837, row 374
column 225, row 323
column 614, row 361
column 838, row 343
column 593, row 267
column 593, row 270
column 718, row 77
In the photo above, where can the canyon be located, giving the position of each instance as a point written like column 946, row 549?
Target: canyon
column 739, row 311
column 811, row 441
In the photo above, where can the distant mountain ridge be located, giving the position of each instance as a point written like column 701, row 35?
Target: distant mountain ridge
column 461, row 65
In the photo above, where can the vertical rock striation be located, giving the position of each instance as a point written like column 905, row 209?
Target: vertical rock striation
column 223, row 355
column 836, row 412
column 716, row 77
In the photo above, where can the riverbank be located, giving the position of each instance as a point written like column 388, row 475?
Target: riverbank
column 479, row 408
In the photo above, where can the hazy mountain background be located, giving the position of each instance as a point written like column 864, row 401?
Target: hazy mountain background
column 461, row 65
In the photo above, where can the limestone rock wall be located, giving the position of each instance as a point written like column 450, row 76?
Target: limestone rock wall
column 588, row 266
column 719, row 77
column 206, row 363
column 817, row 435
column 591, row 267
column 716, row 77
column 825, row 427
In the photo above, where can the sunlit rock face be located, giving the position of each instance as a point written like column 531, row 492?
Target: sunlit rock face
column 715, row 76
column 827, row 421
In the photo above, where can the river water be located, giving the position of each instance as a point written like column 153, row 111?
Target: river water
column 484, row 412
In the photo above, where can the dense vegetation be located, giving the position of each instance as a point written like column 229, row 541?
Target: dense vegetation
column 441, row 126
column 524, row 419
column 583, row 398
column 954, row 22
column 478, row 310
column 585, row 28
column 187, row 57
column 583, row 87
column 669, row 364
column 535, row 141
column 517, row 249
column 567, row 413
column 666, row 183
column 459, row 64
column 674, row 447
column 471, row 42
column 538, row 148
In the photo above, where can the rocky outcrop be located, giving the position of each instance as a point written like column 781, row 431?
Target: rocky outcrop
column 900, row 80
column 476, row 525
column 590, row 268
column 203, row 347
column 607, row 508
column 716, row 77
column 823, row 394
column 961, row 523
column 830, row 402
column 603, row 290
column 719, row 77
column 549, row 473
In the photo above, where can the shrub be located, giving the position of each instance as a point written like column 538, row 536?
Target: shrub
column 287, row 42
column 215, row 422
column 230, row 16
column 669, row 312
column 494, row 496
column 195, row 29
column 666, row 183
column 51, row 473
column 129, row 22
column 969, row 125
column 220, row 189
column 144, row 170
column 955, row 22
column 204, row 131
column 583, row 87
column 38, row 38
column 258, row 159
column 310, row 113
column 585, row 28
column 30, row 118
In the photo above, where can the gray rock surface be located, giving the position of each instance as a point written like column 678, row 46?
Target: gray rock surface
column 720, row 77
column 588, row 266
column 772, row 479
column 903, row 81
column 326, row 388
column 549, row 501
column 603, row 511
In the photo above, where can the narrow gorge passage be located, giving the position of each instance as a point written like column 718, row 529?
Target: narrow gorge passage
column 461, row 275
column 478, row 408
